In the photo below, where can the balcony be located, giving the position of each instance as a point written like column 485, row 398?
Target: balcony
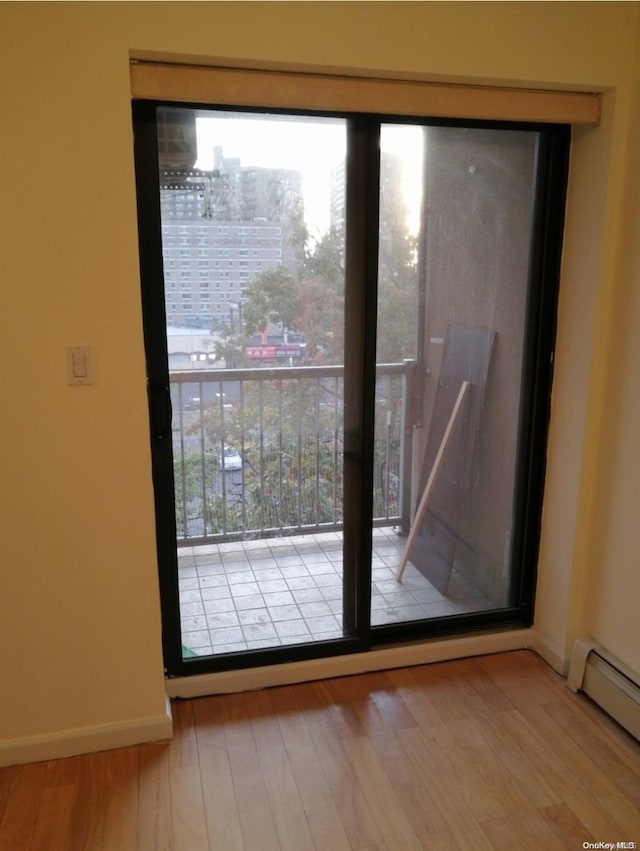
column 260, row 529
column 247, row 595
column 284, row 427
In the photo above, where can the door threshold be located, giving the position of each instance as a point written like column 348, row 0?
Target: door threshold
column 383, row 658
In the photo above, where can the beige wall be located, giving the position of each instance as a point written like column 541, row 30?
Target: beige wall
column 609, row 612
column 80, row 624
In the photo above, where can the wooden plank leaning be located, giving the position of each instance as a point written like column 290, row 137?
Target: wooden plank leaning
column 433, row 475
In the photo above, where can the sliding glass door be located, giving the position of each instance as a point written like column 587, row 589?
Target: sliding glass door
column 346, row 325
column 457, row 238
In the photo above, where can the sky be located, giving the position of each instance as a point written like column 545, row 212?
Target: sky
column 312, row 145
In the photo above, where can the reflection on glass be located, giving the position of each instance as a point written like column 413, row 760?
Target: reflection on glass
column 469, row 266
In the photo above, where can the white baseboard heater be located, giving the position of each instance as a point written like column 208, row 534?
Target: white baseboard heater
column 608, row 682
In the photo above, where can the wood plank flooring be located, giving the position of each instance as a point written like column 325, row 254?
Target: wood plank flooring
column 486, row 753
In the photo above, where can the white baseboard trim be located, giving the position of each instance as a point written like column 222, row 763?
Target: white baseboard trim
column 581, row 650
column 551, row 654
column 102, row 737
column 68, row 743
column 398, row 656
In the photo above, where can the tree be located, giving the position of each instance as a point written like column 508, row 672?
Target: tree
column 321, row 299
column 322, row 282
column 230, row 348
column 397, row 271
column 289, row 433
column 321, row 320
column 272, row 296
column 326, row 260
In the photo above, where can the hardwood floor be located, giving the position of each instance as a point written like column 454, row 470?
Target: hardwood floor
column 486, row 753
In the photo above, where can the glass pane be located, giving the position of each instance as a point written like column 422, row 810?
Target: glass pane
column 253, row 242
column 455, row 231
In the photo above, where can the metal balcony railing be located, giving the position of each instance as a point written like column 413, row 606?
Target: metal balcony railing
column 259, row 452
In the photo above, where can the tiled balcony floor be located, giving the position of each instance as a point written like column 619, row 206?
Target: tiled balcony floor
column 265, row 593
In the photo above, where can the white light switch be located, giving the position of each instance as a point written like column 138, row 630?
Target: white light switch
column 80, row 365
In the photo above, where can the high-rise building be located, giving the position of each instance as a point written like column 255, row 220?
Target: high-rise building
column 219, row 230
column 208, row 265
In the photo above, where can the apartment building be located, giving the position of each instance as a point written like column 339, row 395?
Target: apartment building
column 219, row 230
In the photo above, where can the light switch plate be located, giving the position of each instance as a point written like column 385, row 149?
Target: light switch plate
column 80, row 366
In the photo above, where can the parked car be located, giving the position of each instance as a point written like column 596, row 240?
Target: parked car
column 230, row 459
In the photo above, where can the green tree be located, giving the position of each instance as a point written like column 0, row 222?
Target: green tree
column 321, row 299
column 397, row 271
column 191, row 471
column 321, row 319
column 296, row 236
column 326, row 260
column 272, row 296
column 289, row 432
column 230, row 347
column 322, row 282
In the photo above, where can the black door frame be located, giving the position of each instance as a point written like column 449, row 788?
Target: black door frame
column 363, row 169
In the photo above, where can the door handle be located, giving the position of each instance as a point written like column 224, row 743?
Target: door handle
column 160, row 410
